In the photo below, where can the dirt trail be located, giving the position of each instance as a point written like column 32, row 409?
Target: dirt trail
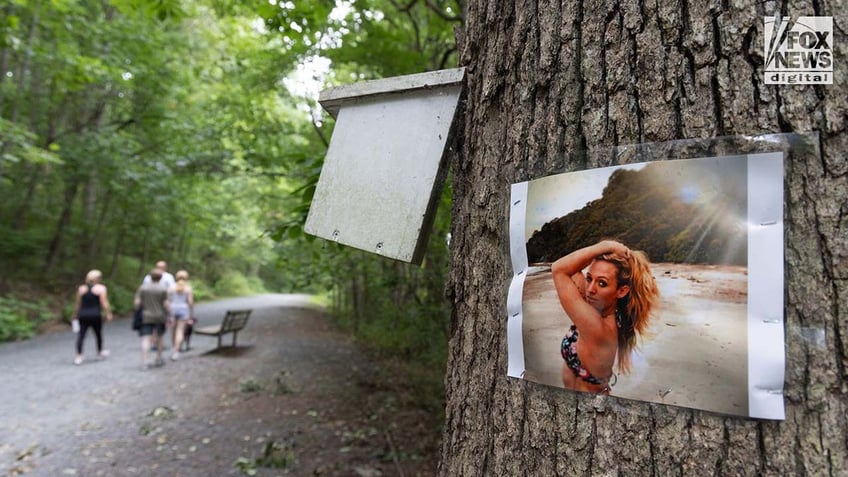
column 295, row 398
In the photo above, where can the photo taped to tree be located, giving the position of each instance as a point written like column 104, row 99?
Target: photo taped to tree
column 659, row 281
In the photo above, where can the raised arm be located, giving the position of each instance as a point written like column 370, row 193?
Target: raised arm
column 579, row 259
column 568, row 278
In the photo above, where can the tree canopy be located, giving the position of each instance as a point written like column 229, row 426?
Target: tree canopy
column 188, row 131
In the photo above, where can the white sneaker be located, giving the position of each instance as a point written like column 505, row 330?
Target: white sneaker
column 103, row 354
column 78, row 360
column 175, row 356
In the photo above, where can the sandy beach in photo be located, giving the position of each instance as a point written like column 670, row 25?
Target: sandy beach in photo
column 696, row 355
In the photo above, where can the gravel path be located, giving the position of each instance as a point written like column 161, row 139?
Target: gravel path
column 296, row 397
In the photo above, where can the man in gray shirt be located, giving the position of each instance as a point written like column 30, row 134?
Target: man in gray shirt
column 153, row 298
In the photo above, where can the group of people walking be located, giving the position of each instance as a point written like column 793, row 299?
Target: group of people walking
column 163, row 300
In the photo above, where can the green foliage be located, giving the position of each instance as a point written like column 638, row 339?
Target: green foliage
column 397, row 310
column 675, row 211
column 19, row 146
column 417, row 36
column 236, row 284
column 18, row 244
column 128, row 272
column 201, row 290
column 158, row 113
column 275, row 455
column 245, row 466
column 250, row 385
column 121, row 299
column 19, row 319
column 163, row 412
column 135, row 130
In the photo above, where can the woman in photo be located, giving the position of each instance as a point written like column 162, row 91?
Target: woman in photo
column 609, row 307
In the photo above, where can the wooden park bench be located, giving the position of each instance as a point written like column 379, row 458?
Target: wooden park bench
column 233, row 322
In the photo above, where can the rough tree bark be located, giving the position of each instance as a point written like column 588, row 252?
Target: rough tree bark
column 546, row 80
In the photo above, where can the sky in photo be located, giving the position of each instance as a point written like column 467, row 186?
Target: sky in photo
column 558, row 195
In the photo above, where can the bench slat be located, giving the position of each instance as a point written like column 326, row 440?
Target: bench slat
column 208, row 330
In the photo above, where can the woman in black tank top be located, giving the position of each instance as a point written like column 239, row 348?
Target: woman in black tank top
column 91, row 304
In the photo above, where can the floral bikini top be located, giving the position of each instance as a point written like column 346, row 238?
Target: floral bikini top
column 568, row 349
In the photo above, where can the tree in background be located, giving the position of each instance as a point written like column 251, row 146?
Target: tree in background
column 395, row 308
column 134, row 131
column 138, row 130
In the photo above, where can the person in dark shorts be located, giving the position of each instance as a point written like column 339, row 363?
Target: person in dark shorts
column 152, row 297
column 92, row 302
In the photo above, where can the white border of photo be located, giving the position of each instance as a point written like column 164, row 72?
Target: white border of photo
column 766, row 350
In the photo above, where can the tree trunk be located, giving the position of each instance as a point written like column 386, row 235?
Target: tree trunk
column 5, row 54
column 182, row 244
column 117, row 250
column 55, row 248
column 32, row 171
column 359, row 297
column 23, row 67
column 93, row 241
column 548, row 80
column 7, row 11
column 143, row 266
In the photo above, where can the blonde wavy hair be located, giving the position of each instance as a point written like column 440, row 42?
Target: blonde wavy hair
column 93, row 277
column 181, row 279
column 633, row 311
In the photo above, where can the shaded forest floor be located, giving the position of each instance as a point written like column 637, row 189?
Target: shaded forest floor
column 296, row 397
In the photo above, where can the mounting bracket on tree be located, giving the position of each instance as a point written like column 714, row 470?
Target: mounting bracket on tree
column 384, row 168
